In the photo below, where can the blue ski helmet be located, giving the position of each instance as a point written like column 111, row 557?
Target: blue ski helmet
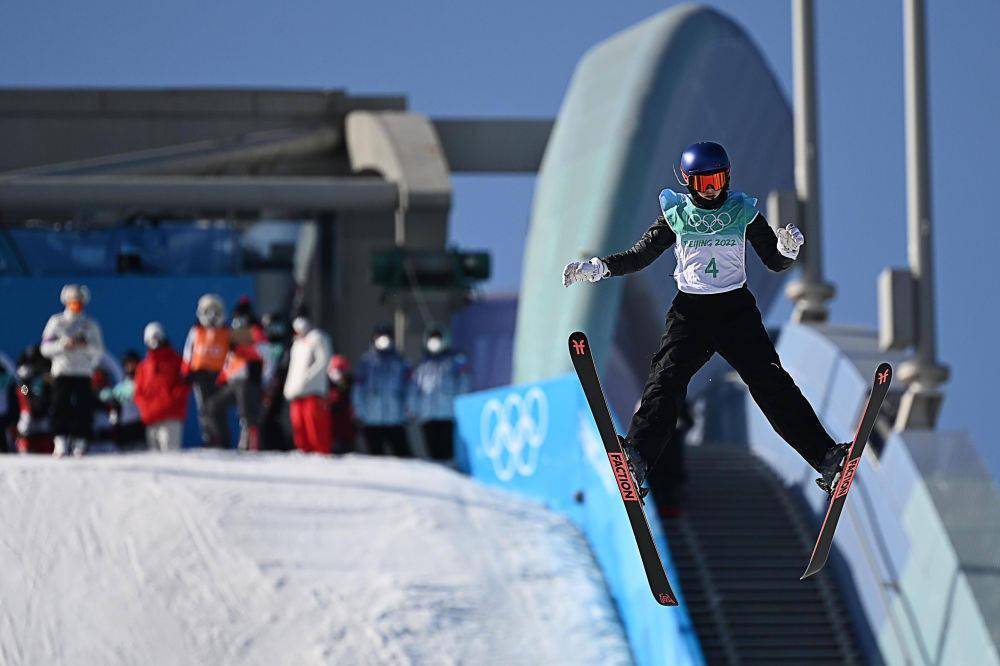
column 702, row 158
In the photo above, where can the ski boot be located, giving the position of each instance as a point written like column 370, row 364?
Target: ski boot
column 832, row 465
column 636, row 465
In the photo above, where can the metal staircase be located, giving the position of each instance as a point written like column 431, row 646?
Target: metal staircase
column 740, row 547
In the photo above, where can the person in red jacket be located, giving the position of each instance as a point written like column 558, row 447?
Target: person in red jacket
column 161, row 394
column 34, row 397
column 339, row 398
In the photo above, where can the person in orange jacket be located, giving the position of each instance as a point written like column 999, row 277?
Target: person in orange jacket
column 240, row 380
column 204, row 355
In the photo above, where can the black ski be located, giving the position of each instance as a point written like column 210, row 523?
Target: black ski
column 583, row 362
column 880, row 386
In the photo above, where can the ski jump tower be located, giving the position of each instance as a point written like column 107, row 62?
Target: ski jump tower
column 918, row 542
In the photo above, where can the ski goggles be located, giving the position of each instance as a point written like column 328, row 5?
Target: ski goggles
column 701, row 182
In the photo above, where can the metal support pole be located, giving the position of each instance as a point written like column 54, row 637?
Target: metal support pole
column 922, row 373
column 810, row 292
column 326, row 249
column 400, row 318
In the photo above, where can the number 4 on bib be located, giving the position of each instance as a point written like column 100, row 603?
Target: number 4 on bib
column 712, row 269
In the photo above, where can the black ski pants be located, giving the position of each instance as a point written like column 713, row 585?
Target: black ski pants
column 391, row 440
column 439, row 437
column 214, row 428
column 73, row 404
column 698, row 325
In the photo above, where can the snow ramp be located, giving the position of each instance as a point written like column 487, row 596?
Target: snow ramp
column 224, row 558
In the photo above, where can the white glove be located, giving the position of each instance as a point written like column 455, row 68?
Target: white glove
column 789, row 241
column 591, row 271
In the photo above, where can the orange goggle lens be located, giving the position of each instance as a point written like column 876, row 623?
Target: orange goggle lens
column 702, row 182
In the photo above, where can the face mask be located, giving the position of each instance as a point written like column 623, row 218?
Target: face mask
column 336, row 376
column 300, row 325
column 435, row 344
column 153, row 343
column 383, row 342
column 212, row 319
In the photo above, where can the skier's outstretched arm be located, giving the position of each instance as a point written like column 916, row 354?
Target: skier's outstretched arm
column 777, row 251
column 650, row 245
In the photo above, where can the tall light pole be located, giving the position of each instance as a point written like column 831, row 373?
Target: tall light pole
column 810, row 292
column 922, row 373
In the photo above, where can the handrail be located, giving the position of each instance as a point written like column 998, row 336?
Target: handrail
column 883, row 550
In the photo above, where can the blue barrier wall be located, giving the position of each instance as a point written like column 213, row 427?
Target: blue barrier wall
column 540, row 440
column 122, row 305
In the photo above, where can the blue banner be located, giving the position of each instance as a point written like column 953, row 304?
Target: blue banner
column 167, row 248
column 540, row 440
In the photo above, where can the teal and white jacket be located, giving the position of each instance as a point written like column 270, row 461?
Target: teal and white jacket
column 710, row 245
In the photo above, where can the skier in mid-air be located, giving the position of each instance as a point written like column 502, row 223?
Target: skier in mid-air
column 713, row 312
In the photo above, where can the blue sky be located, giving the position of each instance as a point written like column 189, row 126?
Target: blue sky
column 515, row 59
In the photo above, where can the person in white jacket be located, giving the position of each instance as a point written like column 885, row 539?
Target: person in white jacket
column 306, row 387
column 73, row 342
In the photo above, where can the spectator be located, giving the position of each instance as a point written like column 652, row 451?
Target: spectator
column 339, row 397
column 34, row 397
column 306, row 387
column 205, row 353
column 379, row 395
column 241, row 381
column 127, row 430
column 8, row 403
column 437, row 380
column 161, row 394
column 274, row 352
column 102, row 430
column 244, row 310
column 73, row 342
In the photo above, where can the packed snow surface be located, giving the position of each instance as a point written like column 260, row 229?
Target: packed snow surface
column 221, row 558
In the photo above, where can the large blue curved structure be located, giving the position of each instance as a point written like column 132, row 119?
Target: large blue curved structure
column 634, row 102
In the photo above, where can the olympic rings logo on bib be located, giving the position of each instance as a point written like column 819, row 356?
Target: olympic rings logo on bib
column 709, row 223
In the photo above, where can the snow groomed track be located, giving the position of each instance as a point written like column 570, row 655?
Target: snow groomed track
column 267, row 559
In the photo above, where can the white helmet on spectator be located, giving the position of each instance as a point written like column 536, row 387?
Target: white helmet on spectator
column 74, row 293
column 153, row 335
column 211, row 311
